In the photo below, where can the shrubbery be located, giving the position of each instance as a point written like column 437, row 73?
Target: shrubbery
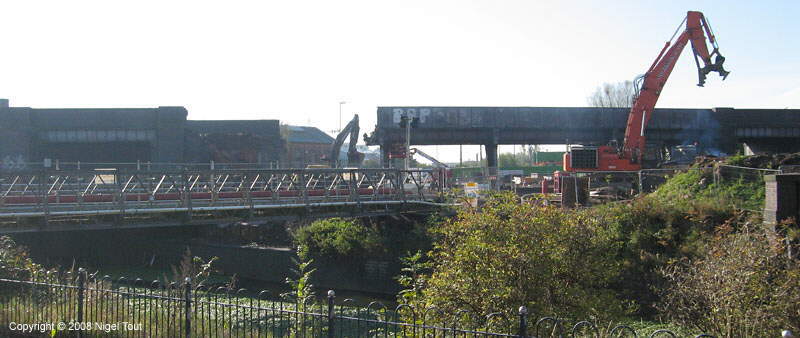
column 694, row 252
column 510, row 254
column 335, row 238
column 14, row 260
column 572, row 262
column 357, row 240
column 742, row 286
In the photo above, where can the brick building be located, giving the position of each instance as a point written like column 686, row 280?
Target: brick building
column 235, row 141
column 307, row 146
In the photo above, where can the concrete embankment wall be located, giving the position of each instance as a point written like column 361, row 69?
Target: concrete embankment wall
column 164, row 247
column 276, row 264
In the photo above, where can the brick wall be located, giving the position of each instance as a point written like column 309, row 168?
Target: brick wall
column 301, row 155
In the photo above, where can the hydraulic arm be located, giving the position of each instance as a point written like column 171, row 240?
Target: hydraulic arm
column 354, row 157
column 435, row 162
column 648, row 90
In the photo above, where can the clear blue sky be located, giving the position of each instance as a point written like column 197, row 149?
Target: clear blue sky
column 295, row 60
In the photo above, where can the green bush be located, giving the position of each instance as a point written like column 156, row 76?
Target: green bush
column 675, row 222
column 648, row 234
column 573, row 262
column 357, row 239
column 15, row 261
column 510, row 254
column 336, row 238
column 744, row 285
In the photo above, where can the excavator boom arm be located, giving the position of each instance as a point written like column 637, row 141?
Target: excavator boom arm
column 436, row 162
column 353, row 156
column 658, row 74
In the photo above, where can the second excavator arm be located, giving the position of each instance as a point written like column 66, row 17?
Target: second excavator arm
column 354, row 157
column 435, row 162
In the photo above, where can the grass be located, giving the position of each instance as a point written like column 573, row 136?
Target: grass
column 737, row 189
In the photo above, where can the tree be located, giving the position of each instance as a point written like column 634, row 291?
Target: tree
column 613, row 95
column 509, row 254
column 507, row 160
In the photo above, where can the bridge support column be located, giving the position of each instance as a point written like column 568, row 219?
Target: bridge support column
column 491, row 163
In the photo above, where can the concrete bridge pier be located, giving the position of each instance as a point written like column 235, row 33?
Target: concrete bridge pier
column 491, row 164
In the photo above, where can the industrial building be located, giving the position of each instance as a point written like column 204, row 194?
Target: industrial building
column 235, row 141
column 125, row 135
column 307, row 146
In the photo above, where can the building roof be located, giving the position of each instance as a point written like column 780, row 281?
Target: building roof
column 302, row 134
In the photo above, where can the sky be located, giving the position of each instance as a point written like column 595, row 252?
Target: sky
column 296, row 60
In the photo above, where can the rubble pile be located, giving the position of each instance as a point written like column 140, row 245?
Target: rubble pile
column 769, row 161
column 753, row 161
column 706, row 161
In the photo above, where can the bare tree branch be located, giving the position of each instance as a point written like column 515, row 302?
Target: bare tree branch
column 617, row 95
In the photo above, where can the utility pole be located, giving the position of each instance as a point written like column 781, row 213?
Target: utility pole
column 484, row 171
column 460, row 155
column 408, row 142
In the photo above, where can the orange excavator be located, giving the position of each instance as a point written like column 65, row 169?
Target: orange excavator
column 648, row 88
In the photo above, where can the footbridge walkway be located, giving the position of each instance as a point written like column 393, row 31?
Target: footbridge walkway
column 55, row 200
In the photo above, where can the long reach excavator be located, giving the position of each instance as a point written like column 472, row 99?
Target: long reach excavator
column 354, row 157
column 648, row 88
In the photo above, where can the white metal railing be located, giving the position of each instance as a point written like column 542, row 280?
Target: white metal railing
column 49, row 192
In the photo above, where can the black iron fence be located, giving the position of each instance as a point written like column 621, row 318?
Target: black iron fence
column 83, row 305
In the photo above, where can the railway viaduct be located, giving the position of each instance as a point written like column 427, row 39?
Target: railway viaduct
column 723, row 129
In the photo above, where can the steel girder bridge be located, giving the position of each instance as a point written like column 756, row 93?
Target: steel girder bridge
column 58, row 200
